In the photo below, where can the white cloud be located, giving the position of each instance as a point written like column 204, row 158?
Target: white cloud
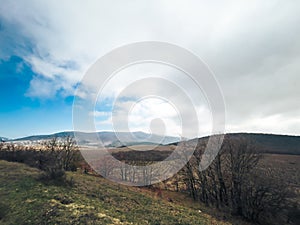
column 252, row 46
column 269, row 124
column 100, row 113
column 143, row 92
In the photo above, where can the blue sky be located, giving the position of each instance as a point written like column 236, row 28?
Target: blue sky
column 46, row 47
column 21, row 114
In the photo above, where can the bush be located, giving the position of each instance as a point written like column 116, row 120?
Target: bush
column 53, row 173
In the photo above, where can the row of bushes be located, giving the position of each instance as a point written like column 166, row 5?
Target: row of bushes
column 53, row 156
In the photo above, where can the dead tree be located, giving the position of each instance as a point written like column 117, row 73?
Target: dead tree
column 242, row 158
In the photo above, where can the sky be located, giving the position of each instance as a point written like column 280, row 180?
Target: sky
column 252, row 48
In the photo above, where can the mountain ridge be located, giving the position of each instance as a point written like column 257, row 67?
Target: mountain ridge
column 112, row 139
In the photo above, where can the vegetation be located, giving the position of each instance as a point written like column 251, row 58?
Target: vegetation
column 24, row 199
column 269, row 143
column 54, row 156
column 236, row 182
column 240, row 181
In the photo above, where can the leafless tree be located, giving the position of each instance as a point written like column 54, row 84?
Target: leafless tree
column 242, row 158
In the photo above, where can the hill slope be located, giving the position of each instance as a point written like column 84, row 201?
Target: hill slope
column 272, row 143
column 268, row 143
column 91, row 200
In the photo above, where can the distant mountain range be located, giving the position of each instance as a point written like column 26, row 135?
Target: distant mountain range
column 110, row 139
column 266, row 143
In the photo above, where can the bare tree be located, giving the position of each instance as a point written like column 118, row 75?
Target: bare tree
column 58, row 156
column 264, row 197
column 242, row 158
column 70, row 153
column 105, row 166
column 184, row 154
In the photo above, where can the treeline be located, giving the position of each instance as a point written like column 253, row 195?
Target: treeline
column 236, row 182
column 133, row 155
column 53, row 156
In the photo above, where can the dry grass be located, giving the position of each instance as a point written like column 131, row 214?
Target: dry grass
column 91, row 200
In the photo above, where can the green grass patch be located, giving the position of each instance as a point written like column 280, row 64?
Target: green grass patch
column 24, row 199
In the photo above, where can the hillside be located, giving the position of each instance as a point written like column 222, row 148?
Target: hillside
column 90, row 200
column 269, row 143
column 272, row 143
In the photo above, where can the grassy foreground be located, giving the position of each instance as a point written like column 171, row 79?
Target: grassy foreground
column 24, row 199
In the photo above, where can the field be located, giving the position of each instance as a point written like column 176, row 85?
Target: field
column 87, row 199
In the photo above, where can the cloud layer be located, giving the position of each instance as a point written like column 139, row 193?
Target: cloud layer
column 252, row 46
